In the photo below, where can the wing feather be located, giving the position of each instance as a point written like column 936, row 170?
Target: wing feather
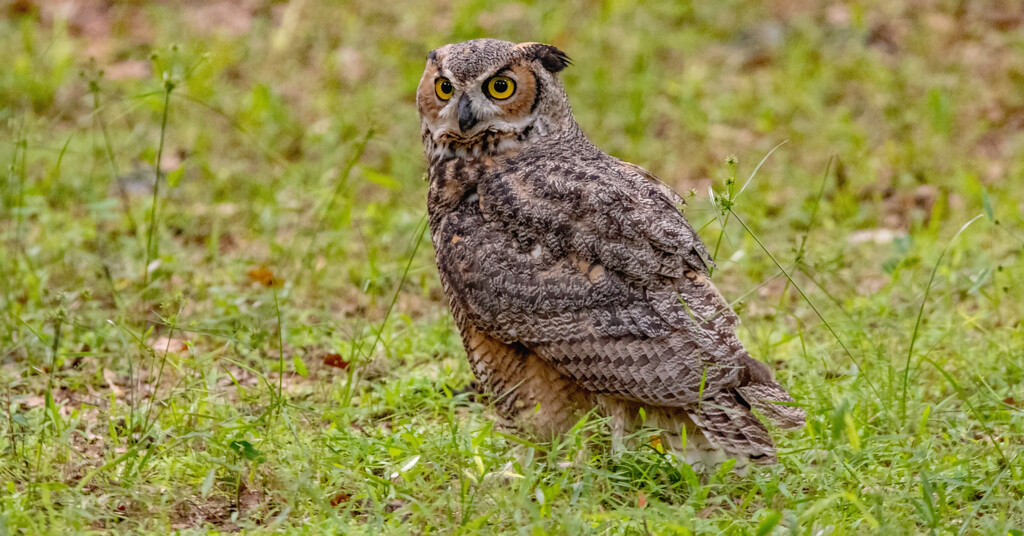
column 601, row 275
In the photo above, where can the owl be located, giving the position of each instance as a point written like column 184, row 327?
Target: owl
column 573, row 277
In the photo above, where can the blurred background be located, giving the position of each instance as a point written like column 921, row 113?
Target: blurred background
column 920, row 102
column 211, row 208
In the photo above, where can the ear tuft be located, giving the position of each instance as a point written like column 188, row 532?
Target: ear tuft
column 432, row 55
column 550, row 57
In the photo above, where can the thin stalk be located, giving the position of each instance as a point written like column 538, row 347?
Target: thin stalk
column 109, row 147
column 251, row 141
column 920, row 315
column 413, row 248
column 147, row 420
column 326, row 209
column 51, row 408
column 10, row 424
column 726, row 204
column 10, row 203
column 810, row 224
column 58, row 324
column 22, row 144
column 417, row 240
column 814, row 211
column 280, row 347
column 758, row 168
column 828, row 326
column 168, row 87
column 1007, row 462
column 730, row 199
column 159, row 376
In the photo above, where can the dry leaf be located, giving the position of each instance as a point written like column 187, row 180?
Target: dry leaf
column 33, row 401
column 172, row 160
column 111, row 380
column 168, row 344
column 264, row 276
column 335, row 360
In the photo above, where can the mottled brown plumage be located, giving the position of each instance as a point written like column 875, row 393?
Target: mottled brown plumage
column 573, row 277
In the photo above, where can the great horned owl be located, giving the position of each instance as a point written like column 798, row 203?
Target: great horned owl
column 573, row 277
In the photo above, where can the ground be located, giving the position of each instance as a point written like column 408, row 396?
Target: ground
column 219, row 310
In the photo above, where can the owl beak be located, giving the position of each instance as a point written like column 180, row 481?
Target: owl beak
column 467, row 119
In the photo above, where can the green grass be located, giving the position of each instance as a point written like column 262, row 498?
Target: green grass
column 166, row 351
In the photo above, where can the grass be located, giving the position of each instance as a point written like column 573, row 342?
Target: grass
column 219, row 310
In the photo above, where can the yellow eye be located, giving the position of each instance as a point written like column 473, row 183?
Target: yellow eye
column 501, row 87
column 443, row 88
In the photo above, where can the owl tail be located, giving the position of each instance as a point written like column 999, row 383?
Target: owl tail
column 729, row 423
column 773, row 402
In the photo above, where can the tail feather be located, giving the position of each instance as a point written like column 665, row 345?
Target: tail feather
column 728, row 424
column 772, row 401
column 725, row 425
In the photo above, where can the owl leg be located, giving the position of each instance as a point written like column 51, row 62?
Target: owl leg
column 621, row 416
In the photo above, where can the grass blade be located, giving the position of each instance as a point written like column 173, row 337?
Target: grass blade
column 920, row 315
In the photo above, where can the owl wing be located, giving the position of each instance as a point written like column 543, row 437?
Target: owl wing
column 599, row 274
column 615, row 213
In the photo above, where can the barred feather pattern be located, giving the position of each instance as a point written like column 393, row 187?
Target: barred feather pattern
column 577, row 283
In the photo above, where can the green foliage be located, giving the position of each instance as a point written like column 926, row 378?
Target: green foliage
column 146, row 325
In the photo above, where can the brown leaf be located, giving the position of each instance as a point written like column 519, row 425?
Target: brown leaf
column 112, row 380
column 167, row 344
column 172, row 160
column 20, row 8
column 33, row 401
column 655, row 443
column 264, row 276
column 335, row 360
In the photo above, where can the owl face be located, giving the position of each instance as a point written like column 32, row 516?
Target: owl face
column 477, row 96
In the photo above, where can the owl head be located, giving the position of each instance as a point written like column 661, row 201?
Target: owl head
column 485, row 97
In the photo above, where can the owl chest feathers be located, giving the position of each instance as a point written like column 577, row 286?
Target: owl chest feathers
column 522, row 194
column 502, row 208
